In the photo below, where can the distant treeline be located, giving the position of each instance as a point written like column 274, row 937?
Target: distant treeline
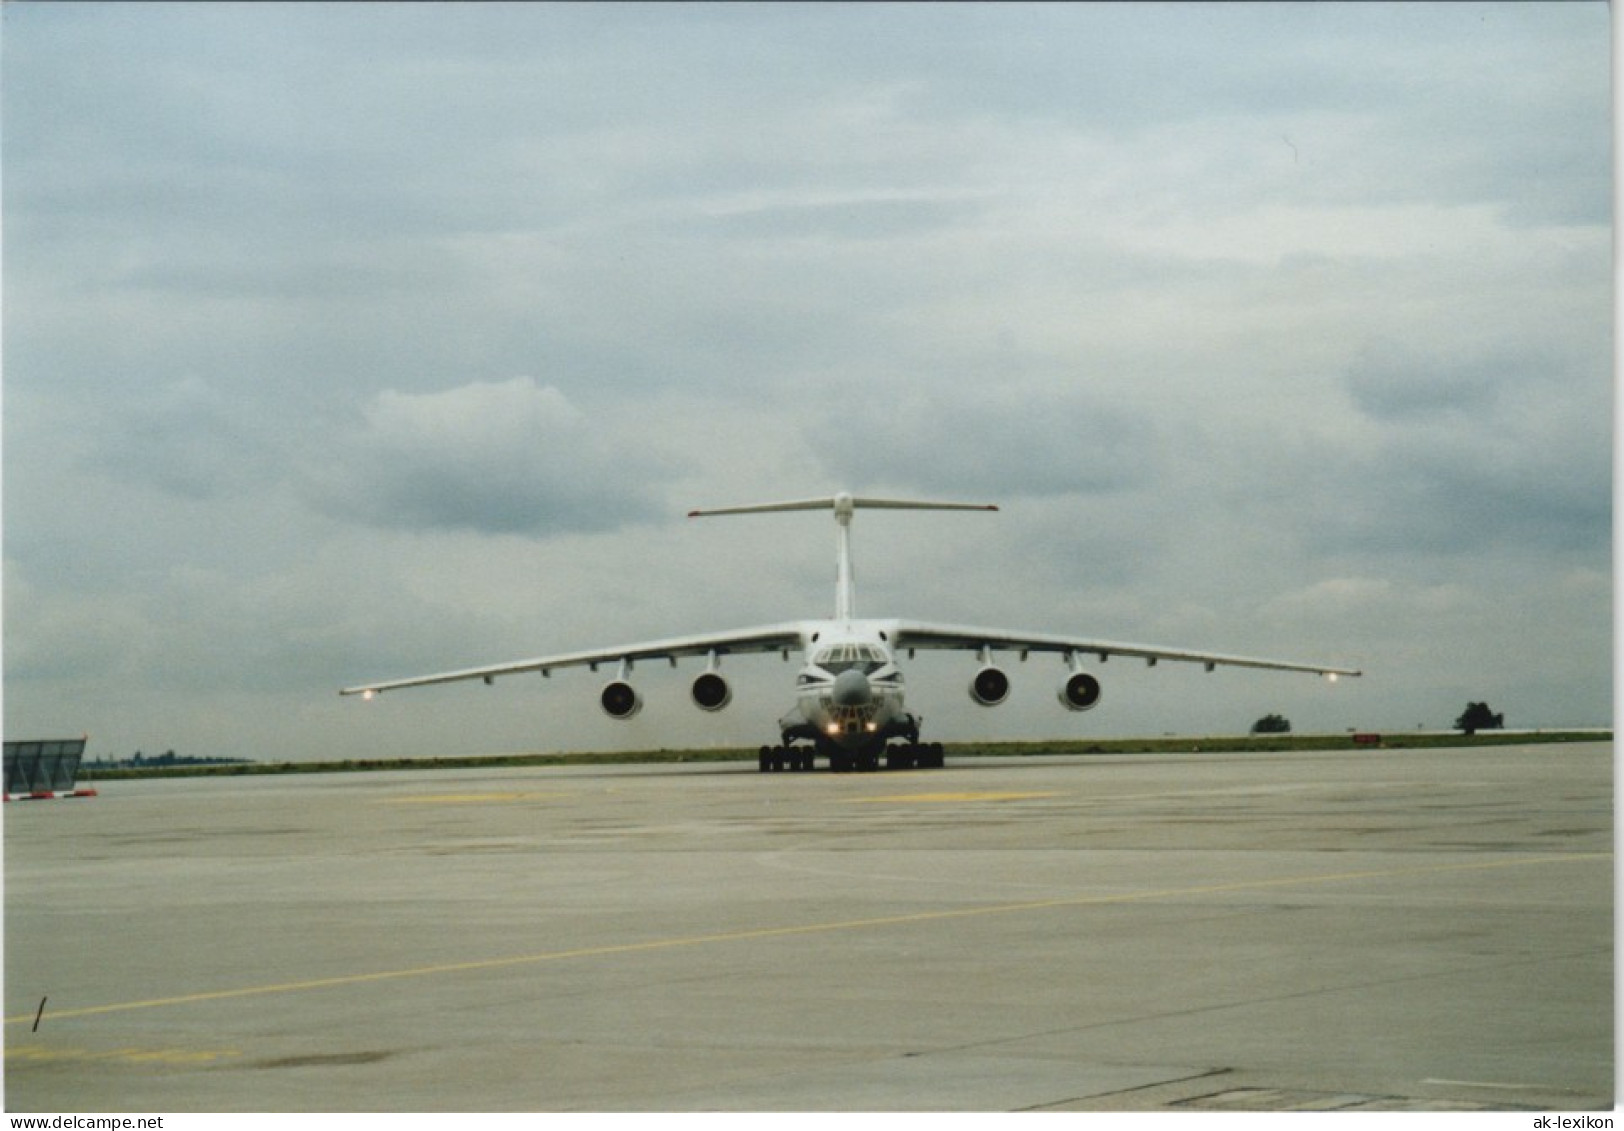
column 167, row 759
column 178, row 767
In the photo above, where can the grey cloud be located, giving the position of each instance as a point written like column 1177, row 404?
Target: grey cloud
column 1500, row 450
column 510, row 457
column 982, row 434
column 188, row 439
column 1390, row 383
column 1410, row 501
column 263, row 261
column 878, row 217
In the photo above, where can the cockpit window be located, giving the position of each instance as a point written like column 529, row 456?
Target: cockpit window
column 865, row 658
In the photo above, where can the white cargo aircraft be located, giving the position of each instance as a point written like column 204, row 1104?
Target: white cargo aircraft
column 849, row 693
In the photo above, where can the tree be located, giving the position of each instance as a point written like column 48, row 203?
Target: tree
column 1477, row 716
column 1272, row 724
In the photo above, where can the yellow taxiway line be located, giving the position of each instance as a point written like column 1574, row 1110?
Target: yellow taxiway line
column 803, row 929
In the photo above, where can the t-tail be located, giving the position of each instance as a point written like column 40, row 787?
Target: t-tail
column 844, row 505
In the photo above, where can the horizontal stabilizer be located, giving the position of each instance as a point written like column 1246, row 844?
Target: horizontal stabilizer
column 843, row 504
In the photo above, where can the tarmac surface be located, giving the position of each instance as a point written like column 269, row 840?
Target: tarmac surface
column 1363, row 930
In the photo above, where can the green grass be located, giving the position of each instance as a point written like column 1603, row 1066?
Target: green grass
column 1071, row 746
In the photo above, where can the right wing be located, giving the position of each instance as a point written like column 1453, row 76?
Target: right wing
column 921, row 634
column 766, row 638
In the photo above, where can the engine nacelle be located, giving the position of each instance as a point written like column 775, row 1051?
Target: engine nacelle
column 1080, row 691
column 620, row 700
column 711, row 692
column 990, row 686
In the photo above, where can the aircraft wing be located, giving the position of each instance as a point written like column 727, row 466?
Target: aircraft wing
column 767, row 638
column 920, row 634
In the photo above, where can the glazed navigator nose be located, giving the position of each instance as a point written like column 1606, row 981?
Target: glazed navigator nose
column 852, row 689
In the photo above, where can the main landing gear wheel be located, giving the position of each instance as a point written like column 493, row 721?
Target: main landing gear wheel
column 774, row 759
column 915, row 755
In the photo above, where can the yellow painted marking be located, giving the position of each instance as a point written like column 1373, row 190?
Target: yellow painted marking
column 808, row 929
column 37, row 1054
column 470, row 798
column 949, row 797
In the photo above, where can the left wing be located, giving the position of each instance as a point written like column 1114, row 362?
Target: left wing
column 921, row 634
column 766, row 638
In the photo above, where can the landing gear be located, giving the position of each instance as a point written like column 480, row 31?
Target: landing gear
column 801, row 759
column 774, row 759
column 915, row 756
column 844, row 763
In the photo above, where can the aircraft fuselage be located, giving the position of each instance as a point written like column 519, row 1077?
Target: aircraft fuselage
column 849, row 693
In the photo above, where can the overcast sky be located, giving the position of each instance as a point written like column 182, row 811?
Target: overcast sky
column 351, row 342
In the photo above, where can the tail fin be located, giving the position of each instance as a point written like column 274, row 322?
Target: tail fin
column 843, row 505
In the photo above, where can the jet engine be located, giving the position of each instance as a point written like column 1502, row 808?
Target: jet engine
column 990, row 686
column 711, row 691
column 1080, row 691
column 620, row 700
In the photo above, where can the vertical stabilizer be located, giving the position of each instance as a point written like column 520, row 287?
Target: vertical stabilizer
column 843, row 505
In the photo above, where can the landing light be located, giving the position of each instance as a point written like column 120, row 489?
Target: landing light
column 1331, row 676
column 369, row 693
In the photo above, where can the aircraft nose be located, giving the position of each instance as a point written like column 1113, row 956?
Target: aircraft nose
column 852, row 689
